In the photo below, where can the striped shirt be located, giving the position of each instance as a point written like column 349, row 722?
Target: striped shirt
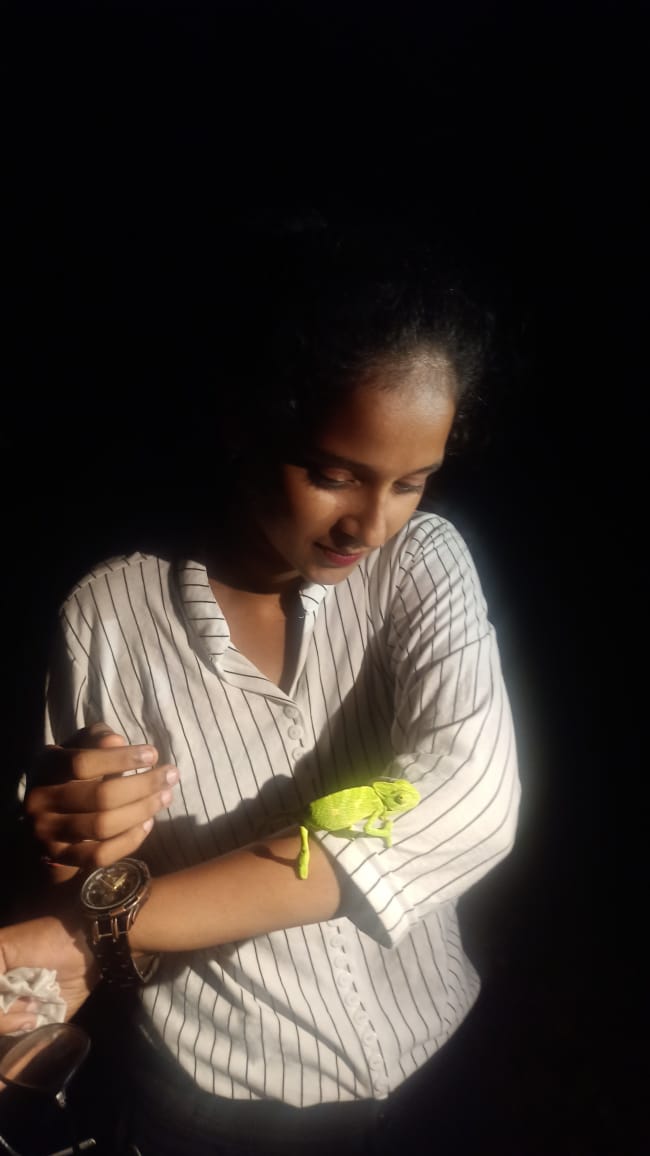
column 398, row 674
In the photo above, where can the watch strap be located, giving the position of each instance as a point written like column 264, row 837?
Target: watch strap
column 110, row 944
column 107, row 932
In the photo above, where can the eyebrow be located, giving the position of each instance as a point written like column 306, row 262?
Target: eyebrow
column 322, row 457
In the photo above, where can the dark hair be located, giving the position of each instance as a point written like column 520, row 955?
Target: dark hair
column 311, row 306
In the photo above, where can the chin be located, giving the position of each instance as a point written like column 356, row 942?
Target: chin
column 328, row 575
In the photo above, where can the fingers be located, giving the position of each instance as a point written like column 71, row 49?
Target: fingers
column 92, row 808
column 94, row 751
column 98, row 734
column 19, row 1018
column 100, row 794
column 69, row 819
column 92, row 853
column 98, row 812
column 59, row 764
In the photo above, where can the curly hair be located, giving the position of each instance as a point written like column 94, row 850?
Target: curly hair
column 309, row 307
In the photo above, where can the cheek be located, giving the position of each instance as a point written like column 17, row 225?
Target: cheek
column 312, row 511
column 400, row 512
column 304, row 506
column 292, row 519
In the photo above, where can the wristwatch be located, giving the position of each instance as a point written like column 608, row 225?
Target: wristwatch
column 110, row 900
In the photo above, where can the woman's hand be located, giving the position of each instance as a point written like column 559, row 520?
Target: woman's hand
column 54, row 943
column 86, row 813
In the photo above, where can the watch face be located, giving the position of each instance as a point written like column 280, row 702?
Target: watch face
column 109, row 886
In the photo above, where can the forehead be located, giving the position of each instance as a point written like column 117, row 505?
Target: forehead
column 399, row 418
column 424, row 370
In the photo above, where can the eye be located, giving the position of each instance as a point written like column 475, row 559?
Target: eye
column 328, row 479
column 409, row 487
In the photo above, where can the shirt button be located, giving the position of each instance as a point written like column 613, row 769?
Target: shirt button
column 376, row 1063
column 369, row 1038
column 294, row 732
column 298, row 753
column 360, row 1018
column 337, row 941
column 292, row 712
column 344, row 979
column 352, row 999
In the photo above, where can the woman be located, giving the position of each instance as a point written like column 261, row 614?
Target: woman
column 322, row 634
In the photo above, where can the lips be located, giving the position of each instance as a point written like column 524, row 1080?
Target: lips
column 340, row 558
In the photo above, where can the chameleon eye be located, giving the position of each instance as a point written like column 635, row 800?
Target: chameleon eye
column 399, row 798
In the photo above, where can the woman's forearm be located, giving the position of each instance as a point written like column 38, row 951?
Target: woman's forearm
column 248, row 892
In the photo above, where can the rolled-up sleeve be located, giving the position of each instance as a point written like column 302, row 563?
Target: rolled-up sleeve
column 452, row 737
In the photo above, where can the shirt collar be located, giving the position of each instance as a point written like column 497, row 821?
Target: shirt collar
column 202, row 611
column 204, row 614
column 311, row 596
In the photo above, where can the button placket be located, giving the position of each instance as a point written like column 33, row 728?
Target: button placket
column 351, row 999
column 358, row 1014
column 295, row 732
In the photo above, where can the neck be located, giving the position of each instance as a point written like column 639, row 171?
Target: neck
column 239, row 558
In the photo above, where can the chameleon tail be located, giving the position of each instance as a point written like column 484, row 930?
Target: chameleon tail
column 303, row 857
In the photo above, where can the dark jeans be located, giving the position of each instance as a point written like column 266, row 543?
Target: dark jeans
column 444, row 1108
column 449, row 1107
column 167, row 1124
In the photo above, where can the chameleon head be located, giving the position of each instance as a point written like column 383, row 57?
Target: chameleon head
column 397, row 795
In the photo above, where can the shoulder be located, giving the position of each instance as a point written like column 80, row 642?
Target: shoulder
column 110, row 579
column 425, row 579
column 427, row 542
column 108, row 567
column 115, row 570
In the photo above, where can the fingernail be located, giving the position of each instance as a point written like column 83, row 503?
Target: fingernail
column 147, row 825
column 27, row 1025
column 145, row 754
column 172, row 775
column 165, row 798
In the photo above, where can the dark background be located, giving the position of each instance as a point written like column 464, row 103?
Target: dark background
column 132, row 131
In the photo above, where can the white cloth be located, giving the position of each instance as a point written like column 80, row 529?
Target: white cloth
column 37, row 983
column 398, row 674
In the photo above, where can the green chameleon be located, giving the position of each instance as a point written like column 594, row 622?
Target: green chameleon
column 371, row 805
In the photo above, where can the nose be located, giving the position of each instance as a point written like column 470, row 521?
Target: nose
column 367, row 523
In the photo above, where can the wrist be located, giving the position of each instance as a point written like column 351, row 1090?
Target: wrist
column 110, row 900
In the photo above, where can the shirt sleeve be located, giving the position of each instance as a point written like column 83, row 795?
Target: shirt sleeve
column 66, row 685
column 452, row 737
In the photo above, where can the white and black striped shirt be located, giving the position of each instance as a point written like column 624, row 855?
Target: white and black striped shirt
column 398, row 674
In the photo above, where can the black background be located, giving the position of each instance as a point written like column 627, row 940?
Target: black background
column 131, row 131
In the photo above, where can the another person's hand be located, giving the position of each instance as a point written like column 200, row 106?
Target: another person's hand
column 52, row 943
column 87, row 813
